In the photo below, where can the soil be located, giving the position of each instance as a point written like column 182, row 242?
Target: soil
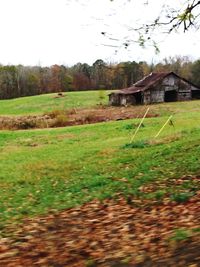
column 111, row 233
column 107, row 114
column 72, row 117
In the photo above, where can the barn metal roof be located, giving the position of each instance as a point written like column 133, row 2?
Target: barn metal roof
column 148, row 82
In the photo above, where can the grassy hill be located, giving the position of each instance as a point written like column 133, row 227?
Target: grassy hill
column 141, row 197
column 48, row 102
column 60, row 168
column 40, row 104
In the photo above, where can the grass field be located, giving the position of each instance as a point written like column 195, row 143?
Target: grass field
column 60, row 168
column 41, row 104
column 45, row 103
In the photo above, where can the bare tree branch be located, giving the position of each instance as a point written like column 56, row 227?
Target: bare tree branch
column 169, row 20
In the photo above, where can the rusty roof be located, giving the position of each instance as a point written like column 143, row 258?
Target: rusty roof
column 147, row 82
column 151, row 79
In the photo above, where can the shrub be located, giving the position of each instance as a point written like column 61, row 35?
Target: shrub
column 59, row 121
column 102, row 96
column 26, row 124
column 55, row 113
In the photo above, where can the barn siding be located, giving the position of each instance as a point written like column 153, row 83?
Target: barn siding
column 184, row 96
column 114, row 99
column 157, row 95
column 183, row 88
column 193, row 88
column 147, row 97
column 184, row 91
column 127, row 100
column 169, row 81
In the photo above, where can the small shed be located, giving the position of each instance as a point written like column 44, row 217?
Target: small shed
column 156, row 88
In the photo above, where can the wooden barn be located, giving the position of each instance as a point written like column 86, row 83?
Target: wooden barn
column 156, row 88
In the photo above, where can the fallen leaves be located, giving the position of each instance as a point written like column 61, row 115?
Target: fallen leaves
column 106, row 234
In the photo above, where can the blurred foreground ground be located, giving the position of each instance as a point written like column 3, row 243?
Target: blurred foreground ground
column 109, row 233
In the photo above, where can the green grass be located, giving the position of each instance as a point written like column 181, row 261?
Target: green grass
column 61, row 168
column 45, row 103
column 181, row 235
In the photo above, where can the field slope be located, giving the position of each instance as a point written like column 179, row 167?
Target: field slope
column 58, row 168
column 50, row 170
column 48, row 102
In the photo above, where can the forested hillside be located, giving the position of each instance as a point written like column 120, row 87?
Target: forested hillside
column 17, row 81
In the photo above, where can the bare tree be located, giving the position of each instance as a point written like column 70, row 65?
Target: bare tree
column 182, row 17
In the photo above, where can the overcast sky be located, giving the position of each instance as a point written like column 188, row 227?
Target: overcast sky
column 48, row 32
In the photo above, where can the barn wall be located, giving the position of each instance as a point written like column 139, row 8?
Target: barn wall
column 114, row 99
column 195, row 92
column 124, row 99
column 157, row 95
column 147, row 97
column 194, row 88
column 127, row 100
column 182, row 87
column 184, row 91
column 171, row 83
column 168, row 84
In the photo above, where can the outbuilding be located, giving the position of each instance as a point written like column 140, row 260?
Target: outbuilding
column 156, row 88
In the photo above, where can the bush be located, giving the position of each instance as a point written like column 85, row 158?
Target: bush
column 55, row 113
column 60, row 121
column 27, row 124
column 102, row 96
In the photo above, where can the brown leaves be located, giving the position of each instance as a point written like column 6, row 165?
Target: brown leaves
column 103, row 233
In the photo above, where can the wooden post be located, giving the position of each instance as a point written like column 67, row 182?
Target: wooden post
column 139, row 126
column 163, row 126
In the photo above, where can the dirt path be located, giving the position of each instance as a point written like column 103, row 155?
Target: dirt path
column 108, row 233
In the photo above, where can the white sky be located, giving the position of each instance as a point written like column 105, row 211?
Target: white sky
column 48, row 32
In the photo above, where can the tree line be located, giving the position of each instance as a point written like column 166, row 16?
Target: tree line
column 18, row 81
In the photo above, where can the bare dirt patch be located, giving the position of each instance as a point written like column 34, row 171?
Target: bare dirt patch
column 108, row 233
column 72, row 117
column 108, row 113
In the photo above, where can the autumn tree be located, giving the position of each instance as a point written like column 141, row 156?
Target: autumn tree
column 82, row 79
column 99, row 73
column 181, row 65
column 66, row 79
column 16, row 81
column 8, row 81
column 195, row 71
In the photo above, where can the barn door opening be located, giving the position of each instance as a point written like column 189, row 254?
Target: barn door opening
column 171, row 96
column 138, row 98
column 195, row 94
